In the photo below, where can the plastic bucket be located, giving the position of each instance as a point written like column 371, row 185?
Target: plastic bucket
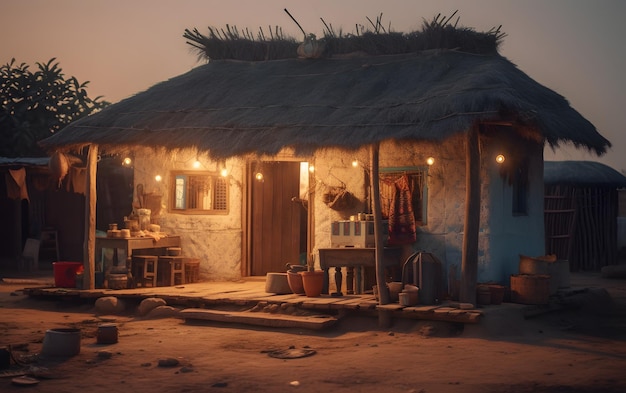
column 65, row 273
column 61, row 342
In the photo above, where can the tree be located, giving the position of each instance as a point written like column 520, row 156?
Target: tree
column 35, row 105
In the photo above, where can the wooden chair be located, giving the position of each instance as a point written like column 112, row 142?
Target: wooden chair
column 175, row 266
column 145, row 270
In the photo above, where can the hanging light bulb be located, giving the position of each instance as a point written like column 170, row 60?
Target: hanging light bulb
column 258, row 176
column 127, row 161
column 500, row 158
column 196, row 164
column 355, row 163
column 158, row 178
column 311, row 168
column 430, row 161
column 224, row 172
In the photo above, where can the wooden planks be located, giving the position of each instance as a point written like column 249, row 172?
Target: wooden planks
column 316, row 322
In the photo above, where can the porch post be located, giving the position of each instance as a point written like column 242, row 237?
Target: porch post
column 381, row 283
column 89, row 243
column 469, row 261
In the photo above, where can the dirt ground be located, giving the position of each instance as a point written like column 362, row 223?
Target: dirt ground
column 571, row 352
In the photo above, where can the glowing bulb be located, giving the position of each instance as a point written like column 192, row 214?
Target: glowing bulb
column 355, row 163
column 127, row 161
column 224, row 172
column 196, row 164
column 158, row 178
column 500, row 158
column 258, row 176
column 311, row 168
column 430, row 160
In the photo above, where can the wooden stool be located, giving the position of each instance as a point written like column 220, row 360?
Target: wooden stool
column 176, row 267
column 144, row 270
column 192, row 270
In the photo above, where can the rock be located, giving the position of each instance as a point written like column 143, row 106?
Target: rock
column 150, row 304
column 109, row 305
column 105, row 354
column 163, row 312
column 168, row 362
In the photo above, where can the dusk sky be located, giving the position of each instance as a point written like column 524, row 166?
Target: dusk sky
column 123, row 47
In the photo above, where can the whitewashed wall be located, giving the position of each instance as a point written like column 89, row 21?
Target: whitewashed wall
column 502, row 237
column 214, row 239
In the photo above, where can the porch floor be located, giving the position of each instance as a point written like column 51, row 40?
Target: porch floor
column 249, row 294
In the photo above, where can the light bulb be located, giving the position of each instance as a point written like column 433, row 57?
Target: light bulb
column 430, row 160
column 258, row 176
column 158, row 178
column 500, row 158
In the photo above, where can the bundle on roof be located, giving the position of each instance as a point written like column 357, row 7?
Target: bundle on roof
column 231, row 43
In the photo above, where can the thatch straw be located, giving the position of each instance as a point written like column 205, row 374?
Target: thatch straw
column 582, row 174
column 232, row 108
column 234, row 44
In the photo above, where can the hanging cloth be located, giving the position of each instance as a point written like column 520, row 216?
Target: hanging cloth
column 16, row 184
column 402, row 228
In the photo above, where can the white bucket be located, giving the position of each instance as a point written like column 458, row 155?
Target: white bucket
column 61, row 342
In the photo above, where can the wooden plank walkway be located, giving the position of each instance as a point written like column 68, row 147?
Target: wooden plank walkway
column 251, row 293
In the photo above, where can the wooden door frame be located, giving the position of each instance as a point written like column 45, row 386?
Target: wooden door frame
column 246, row 210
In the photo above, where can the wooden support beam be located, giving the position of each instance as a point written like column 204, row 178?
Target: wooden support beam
column 469, row 260
column 89, row 243
column 381, row 282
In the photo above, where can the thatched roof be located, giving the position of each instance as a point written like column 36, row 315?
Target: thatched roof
column 230, row 108
column 582, row 174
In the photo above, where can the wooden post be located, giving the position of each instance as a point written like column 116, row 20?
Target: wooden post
column 469, row 260
column 89, row 243
column 381, row 283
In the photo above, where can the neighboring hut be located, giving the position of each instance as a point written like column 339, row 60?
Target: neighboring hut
column 35, row 203
column 581, row 209
column 379, row 100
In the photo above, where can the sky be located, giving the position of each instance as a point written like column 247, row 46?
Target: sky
column 122, row 47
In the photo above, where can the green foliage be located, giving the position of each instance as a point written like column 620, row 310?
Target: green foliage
column 34, row 105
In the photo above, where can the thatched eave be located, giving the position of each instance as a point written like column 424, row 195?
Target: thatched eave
column 230, row 108
column 582, row 174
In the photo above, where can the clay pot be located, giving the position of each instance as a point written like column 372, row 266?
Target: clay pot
column 294, row 280
column 313, row 283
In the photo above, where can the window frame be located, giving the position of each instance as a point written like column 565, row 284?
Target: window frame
column 216, row 182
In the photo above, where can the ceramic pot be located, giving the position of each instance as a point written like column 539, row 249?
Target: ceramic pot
column 295, row 283
column 313, row 283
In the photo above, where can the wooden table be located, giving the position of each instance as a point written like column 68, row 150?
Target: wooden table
column 353, row 258
column 130, row 244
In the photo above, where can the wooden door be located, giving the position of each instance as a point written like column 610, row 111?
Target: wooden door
column 275, row 226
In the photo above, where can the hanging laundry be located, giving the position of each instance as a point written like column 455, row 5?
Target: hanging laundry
column 402, row 228
column 16, row 184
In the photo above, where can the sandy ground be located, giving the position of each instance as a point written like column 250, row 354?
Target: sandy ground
column 581, row 351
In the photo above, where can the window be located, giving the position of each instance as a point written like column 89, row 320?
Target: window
column 196, row 192
column 394, row 179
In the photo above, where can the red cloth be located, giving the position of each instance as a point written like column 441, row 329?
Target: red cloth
column 402, row 228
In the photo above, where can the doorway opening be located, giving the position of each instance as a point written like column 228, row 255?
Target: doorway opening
column 278, row 223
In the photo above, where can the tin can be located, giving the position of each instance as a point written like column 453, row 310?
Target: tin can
column 107, row 333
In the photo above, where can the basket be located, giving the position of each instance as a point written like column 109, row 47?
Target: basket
column 530, row 288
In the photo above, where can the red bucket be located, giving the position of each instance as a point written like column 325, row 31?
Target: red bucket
column 65, row 273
